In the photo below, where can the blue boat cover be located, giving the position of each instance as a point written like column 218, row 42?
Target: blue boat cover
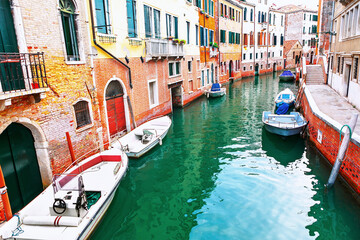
column 282, row 109
column 285, row 96
column 215, row 87
column 287, row 74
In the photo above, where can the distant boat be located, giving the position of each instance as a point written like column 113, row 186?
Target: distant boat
column 143, row 138
column 284, row 125
column 284, row 101
column 75, row 202
column 287, row 76
column 215, row 91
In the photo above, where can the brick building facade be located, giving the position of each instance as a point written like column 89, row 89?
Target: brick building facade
column 43, row 96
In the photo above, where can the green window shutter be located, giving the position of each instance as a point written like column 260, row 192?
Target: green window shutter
column 70, row 37
column 201, row 36
column 157, row 23
column 176, row 27
column 206, row 5
column 168, row 25
column 131, row 17
column 100, row 16
column 147, row 19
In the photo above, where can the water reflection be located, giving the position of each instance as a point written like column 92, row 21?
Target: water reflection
column 220, row 175
column 283, row 149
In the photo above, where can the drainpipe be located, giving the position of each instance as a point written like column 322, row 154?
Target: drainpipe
column 103, row 49
column 342, row 150
column 331, row 33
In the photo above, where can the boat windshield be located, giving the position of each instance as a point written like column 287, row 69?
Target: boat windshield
column 67, row 182
column 285, row 96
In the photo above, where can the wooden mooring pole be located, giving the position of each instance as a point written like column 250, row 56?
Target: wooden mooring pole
column 5, row 197
column 71, row 149
column 340, row 157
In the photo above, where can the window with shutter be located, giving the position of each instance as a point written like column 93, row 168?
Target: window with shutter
column 148, row 21
column 157, row 23
column 202, row 43
column 102, row 16
column 131, row 17
column 67, row 10
column 176, row 33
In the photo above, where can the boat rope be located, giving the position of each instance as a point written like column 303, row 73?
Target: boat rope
column 18, row 230
column 341, row 131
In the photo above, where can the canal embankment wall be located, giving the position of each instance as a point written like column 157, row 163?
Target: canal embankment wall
column 324, row 132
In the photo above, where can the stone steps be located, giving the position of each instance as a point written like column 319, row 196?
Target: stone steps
column 314, row 75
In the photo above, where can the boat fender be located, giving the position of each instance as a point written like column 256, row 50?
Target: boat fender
column 160, row 141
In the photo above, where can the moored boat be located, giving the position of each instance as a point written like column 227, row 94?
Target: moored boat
column 215, row 91
column 74, row 204
column 284, row 125
column 143, row 138
column 287, row 76
column 284, row 101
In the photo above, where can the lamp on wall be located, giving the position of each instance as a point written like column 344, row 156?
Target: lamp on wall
column 142, row 59
column 127, row 59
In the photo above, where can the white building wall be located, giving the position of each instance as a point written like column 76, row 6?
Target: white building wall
column 179, row 8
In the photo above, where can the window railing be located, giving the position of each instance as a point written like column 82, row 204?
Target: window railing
column 21, row 72
column 157, row 48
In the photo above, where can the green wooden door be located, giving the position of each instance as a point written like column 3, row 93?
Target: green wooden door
column 11, row 76
column 20, row 167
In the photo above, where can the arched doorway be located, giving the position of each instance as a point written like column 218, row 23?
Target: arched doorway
column 20, row 166
column 115, row 108
column 274, row 67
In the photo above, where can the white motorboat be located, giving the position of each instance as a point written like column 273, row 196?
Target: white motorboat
column 74, row 204
column 215, row 91
column 143, row 138
column 284, row 125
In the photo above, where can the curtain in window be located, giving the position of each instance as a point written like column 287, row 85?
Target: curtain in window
column 157, row 23
column 131, row 17
column 147, row 19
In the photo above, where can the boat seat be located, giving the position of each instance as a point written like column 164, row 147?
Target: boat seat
column 147, row 136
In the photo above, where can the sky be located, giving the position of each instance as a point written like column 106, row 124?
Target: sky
column 312, row 4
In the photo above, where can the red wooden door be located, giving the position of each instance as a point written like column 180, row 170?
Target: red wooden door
column 116, row 115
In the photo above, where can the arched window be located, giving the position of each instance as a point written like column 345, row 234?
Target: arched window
column 82, row 114
column 67, row 11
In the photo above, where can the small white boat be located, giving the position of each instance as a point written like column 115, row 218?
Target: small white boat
column 284, row 102
column 143, row 138
column 74, row 204
column 215, row 91
column 284, row 125
column 285, row 96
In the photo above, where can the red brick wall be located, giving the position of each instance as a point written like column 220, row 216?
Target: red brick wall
column 329, row 147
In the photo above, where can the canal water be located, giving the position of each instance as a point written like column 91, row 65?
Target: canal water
column 220, row 175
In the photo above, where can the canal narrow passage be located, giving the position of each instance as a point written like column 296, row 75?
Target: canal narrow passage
column 220, row 175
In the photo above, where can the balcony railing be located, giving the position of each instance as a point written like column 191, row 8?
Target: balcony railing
column 158, row 48
column 22, row 72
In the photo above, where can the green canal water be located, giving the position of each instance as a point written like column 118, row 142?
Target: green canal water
column 220, row 175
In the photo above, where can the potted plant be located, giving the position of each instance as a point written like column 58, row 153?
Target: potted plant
column 215, row 45
column 222, row 15
column 175, row 41
column 170, row 38
column 182, row 41
column 233, row 18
